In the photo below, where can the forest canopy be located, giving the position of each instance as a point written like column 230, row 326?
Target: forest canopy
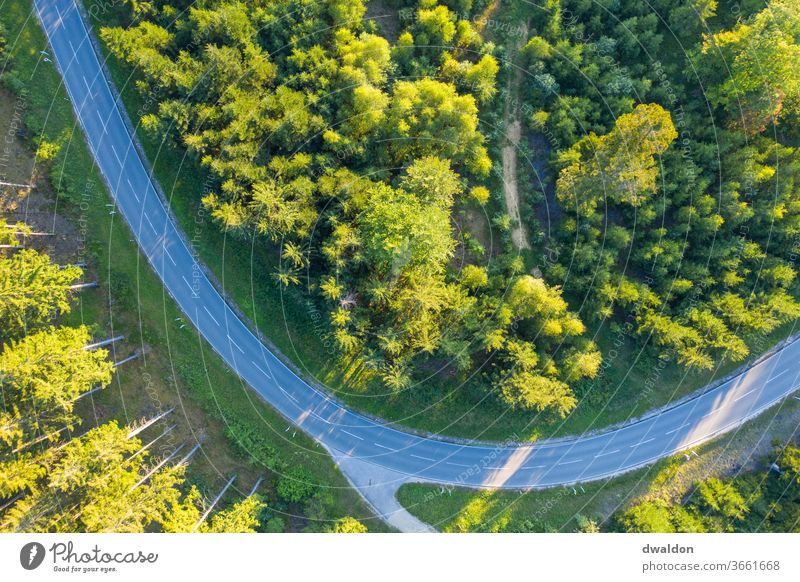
column 352, row 155
column 53, row 479
column 680, row 203
column 673, row 172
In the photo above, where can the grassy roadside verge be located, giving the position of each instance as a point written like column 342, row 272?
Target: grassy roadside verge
column 177, row 368
column 562, row 509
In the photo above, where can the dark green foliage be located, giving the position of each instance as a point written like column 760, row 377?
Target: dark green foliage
column 51, row 479
column 295, row 485
column 683, row 231
column 316, row 139
column 253, row 444
column 766, row 500
column 320, row 136
column 49, row 116
column 3, row 42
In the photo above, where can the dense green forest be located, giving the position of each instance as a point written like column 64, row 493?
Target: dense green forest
column 661, row 201
column 351, row 154
column 53, row 476
column 767, row 500
column 76, row 454
column 677, row 179
column 56, row 476
column 674, row 212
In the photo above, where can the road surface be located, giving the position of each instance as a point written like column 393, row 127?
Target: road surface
column 347, row 434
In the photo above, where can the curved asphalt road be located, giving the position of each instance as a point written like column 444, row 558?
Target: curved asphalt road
column 344, row 432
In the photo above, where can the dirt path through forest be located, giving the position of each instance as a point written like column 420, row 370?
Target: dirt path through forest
column 513, row 126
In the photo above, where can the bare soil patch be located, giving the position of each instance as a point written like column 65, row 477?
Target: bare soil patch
column 387, row 18
column 513, row 126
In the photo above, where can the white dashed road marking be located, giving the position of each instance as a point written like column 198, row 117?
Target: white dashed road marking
column 738, row 398
column 238, row 347
column 260, row 369
column 290, row 395
column 685, row 424
column 147, row 218
column 571, row 462
column 169, row 256
column 355, row 436
column 643, row 442
column 210, row 315
column 116, row 155
column 422, row 458
column 185, row 280
column 133, row 190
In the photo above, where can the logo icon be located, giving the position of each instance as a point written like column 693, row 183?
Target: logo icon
column 31, row 555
